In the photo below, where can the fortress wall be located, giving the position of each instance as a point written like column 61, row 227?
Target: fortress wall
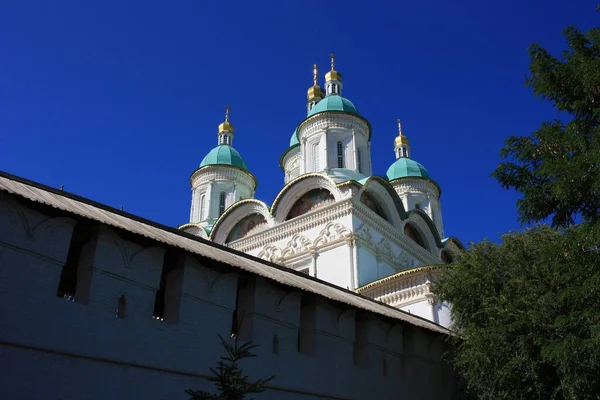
column 95, row 345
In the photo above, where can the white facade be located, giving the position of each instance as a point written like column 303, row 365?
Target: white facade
column 334, row 219
column 142, row 316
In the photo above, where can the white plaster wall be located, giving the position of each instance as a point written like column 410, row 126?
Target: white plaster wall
column 444, row 314
column 367, row 266
column 420, row 308
column 334, row 266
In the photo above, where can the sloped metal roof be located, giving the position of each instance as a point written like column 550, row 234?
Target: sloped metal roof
column 85, row 208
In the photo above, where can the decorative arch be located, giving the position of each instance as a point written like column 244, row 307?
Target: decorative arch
column 310, row 200
column 414, row 234
column 297, row 244
column 194, row 229
column 373, row 204
column 252, row 223
column 380, row 196
column 241, row 219
column 270, row 253
column 453, row 244
column 296, row 189
column 425, row 228
column 446, row 256
column 330, row 233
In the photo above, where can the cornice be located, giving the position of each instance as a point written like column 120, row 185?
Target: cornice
column 311, row 219
column 403, row 288
column 413, row 184
column 210, row 173
column 333, row 120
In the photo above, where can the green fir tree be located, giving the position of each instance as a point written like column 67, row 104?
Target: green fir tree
column 231, row 382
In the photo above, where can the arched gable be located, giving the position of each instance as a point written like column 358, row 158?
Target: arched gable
column 293, row 191
column 453, row 244
column 425, row 228
column 240, row 219
column 309, row 201
column 194, row 229
column 450, row 246
column 383, row 194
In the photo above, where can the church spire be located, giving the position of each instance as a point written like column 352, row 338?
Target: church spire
column 226, row 129
column 333, row 79
column 401, row 143
column 315, row 93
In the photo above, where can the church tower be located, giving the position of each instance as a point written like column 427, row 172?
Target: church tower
column 413, row 184
column 221, row 180
column 334, row 138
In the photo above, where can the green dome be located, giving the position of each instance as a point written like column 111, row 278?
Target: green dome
column 294, row 139
column 405, row 167
column 334, row 102
column 224, row 155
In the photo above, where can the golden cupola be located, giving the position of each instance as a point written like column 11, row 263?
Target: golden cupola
column 226, row 130
column 333, row 75
column 226, row 126
column 315, row 91
column 401, row 143
column 401, row 139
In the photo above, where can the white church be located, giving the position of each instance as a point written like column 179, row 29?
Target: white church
column 334, row 219
column 331, row 281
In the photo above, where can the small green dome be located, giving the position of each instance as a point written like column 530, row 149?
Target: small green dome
column 334, row 102
column 224, row 155
column 294, row 139
column 405, row 167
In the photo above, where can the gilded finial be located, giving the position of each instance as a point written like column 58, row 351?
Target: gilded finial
column 227, row 109
column 333, row 75
column 315, row 91
column 226, row 126
column 401, row 140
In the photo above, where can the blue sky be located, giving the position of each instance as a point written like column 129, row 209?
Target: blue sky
column 119, row 101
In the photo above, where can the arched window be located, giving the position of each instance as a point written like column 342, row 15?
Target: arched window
column 358, row 161
column 202, row 206
column 340, row 155
column 221, row 203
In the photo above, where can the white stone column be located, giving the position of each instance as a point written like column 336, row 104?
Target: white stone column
column 303, row 156
column 354, row 150
column 313, row 264
column 432, row 301
column 327, row 167
column 369, row 169
column 208, row 206
column 353, row 255
column 350, row 241
column 193, row 207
